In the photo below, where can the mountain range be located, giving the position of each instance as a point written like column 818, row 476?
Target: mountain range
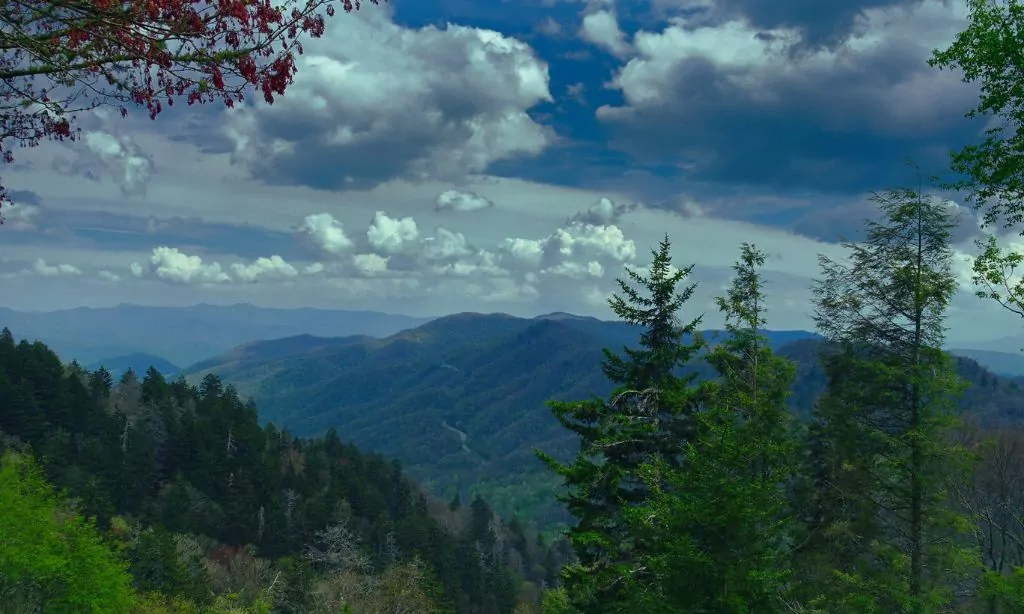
column 460, row 400
column 137, row 362
column 184, row 335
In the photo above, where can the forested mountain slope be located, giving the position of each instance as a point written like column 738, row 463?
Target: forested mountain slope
column 205, row 502
column 461, row 400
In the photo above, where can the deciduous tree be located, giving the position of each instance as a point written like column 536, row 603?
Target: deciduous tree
column 988, row 53
column 60, row 57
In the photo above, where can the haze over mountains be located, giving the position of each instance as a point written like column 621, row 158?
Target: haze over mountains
column 184, row 335
column 137, row 335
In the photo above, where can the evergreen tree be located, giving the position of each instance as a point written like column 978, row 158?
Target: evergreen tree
column 720, row 523
column 886, row 538
column 649, row 414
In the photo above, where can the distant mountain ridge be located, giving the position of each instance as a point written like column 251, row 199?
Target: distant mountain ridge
column 184, row 335
column 1008, row 364
column 138, row 362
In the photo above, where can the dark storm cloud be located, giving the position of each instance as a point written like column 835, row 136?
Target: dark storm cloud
column 822, row 23
column 110, row 231
column 845, row 126
column 24, row 197
column 846, row 222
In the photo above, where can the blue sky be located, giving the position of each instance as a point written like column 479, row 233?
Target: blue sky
column 451, row 155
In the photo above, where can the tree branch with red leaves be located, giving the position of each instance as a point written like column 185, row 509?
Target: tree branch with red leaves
column 62, row 57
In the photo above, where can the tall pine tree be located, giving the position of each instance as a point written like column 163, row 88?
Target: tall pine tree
column 884, row 535
column 648, row 415
column 720, row 523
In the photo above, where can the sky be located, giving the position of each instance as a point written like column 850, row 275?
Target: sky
column 438, row 156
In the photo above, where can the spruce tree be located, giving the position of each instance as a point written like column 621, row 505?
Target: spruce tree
column 648, row 415
column 720, row 523
column 885, row 538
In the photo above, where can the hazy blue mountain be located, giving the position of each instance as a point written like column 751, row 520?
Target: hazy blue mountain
column 1009, row 364
column 184, row 335
column 137, row 362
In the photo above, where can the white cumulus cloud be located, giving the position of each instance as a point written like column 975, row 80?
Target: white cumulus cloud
column 54, row 270
column 171, row 265
column 375, row 101
column 326, row 233
column 273, row 267
column 603, row 212
column 455, row 200
column 392, row 235
column 602, row 29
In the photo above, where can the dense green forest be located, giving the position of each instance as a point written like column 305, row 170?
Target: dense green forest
column 185, row 502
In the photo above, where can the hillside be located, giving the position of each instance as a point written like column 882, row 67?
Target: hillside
column 205, row 505
column 137, row 362
column 184, row 335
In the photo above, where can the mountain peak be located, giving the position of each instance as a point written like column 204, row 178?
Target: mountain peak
column 561, row 315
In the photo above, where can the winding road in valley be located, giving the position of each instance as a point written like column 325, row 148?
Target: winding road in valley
column 462, row 435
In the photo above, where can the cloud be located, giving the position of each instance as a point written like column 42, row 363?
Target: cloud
column 375, row 101
column 171, row 265
column 273, row 267
column 576, row 251
column 819, row 24
column 391, row 235
column 549, row 27
column 103, row 151
column 19, row 216
column 603, row 212
column 844, row 219
column 602, row 29
column 455, row 200
column 727, row 98
column 370, row 265
column 57, row 270
column 326, row 233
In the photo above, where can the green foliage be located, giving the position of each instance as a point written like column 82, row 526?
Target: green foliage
column 719, row 523
column 1005, row 591
column 882, row 535
column 50, row 557
column 153, row 460
column 645, row 417
column 994, row 273
column 988, row 53
column 556, row 601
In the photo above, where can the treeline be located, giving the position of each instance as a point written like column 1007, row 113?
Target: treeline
column 187, row 504
column 708, row 495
